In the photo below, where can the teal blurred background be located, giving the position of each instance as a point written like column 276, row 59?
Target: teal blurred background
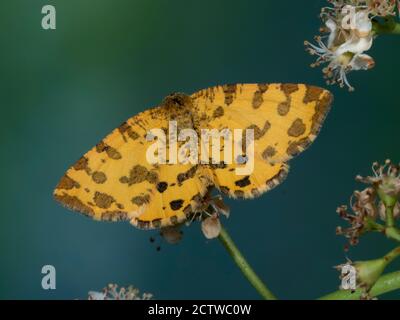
column 62, row 91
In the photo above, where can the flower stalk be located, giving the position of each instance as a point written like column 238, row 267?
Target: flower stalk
column 244, row 266
column 386, row 283
column 388, row 27
column 349, row 29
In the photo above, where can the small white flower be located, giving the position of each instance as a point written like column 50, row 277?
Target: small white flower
column 95, row 295
column 343, row 49
column 112, row 292
column 211, row 226
column 363, row 24
column 362, row 62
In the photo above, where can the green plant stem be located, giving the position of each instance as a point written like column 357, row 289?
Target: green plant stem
column 391, row 231
column 395, row 253
column 388, row 27
column 389, row 217
column 243, row 265
column 387, row 283
column 373, row 226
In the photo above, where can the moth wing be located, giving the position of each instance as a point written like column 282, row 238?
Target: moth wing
column 285, row 118
column 114, row 180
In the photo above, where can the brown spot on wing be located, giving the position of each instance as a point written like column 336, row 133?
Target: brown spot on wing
column 229, row 91
column 296, row 147
column 258, row 95
column 215, row 166
column 103, row 200
column 321, row 110
column 114, row 216
column 218, row 112
column 312, row 94
column 289, row 88
column 176, row 204
column 110, row 151
column 152, row 177
column 74, row 203
column 141, row 200
column 269, row 152
column 139, row 174
column 67, row 183
column 82, row 164
column 297, row 128
column 243, row 182
column 126, row 129
column 99, row 177
column 284, row 107
column 258, row 132
column 277, row 179
column 186, row 175
column 162, row 186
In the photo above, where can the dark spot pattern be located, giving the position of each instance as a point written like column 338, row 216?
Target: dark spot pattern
column 296, row 147
column 110, row 151
column 312, row 94
column 243, row 182
column 269, row 152
column 162, row 186
column 258, row 96
column 103, row 200
column 258, row 132
column 139, row 174
column 99, row 177
column 176, row 204
column 284, row 107
column 67, row 183
column 220, row 165
column 114, row 216
column 140, row 200
column 82, row 164
column 219, row 112
column 297, row 128
column 126, row 129
column 74, row 203
column 289, row 88
column 229, row 91
column 182, row 177
column 321, row 110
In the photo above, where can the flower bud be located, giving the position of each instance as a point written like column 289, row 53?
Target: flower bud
column 211, row 227
column 368, row 272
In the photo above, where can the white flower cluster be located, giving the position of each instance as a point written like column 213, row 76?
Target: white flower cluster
column 112, row 292
column 348, row 29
